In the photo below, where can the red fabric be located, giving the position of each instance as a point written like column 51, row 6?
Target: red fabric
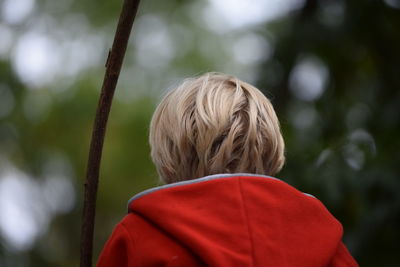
column 228, row 221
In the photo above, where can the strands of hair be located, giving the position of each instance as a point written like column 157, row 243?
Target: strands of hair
column 215, row 123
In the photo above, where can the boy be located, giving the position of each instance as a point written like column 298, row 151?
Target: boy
column 216, row 142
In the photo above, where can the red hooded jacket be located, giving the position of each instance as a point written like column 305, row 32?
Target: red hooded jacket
column 226, row 220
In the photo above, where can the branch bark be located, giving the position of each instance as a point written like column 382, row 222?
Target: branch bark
column 113, row 68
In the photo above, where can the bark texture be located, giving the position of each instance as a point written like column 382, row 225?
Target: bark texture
column 113, row 68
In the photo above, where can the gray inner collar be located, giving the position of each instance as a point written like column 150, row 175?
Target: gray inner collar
column 197, row 180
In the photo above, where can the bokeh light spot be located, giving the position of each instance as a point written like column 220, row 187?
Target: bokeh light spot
column 16, row 11
column 308, row 79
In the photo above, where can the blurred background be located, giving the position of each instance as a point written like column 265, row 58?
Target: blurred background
column 331, row 69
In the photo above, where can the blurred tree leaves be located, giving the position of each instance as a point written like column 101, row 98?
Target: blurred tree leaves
column 332, row 72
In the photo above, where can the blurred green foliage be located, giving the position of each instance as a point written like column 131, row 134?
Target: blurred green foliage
column 331, row 69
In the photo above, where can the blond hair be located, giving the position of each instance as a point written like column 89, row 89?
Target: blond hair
column 212, row 124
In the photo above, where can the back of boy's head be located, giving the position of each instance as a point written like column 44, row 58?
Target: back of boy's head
column 214, row 124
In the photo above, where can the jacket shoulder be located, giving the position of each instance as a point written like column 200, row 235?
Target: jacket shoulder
column 137, row 242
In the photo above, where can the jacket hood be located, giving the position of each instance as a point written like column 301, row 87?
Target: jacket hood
column 243, row 220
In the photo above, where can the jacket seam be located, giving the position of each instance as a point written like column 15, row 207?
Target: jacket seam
column 132, row 240
column 166, row 233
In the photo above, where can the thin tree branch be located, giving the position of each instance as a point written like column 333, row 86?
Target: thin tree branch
column 113, row 68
